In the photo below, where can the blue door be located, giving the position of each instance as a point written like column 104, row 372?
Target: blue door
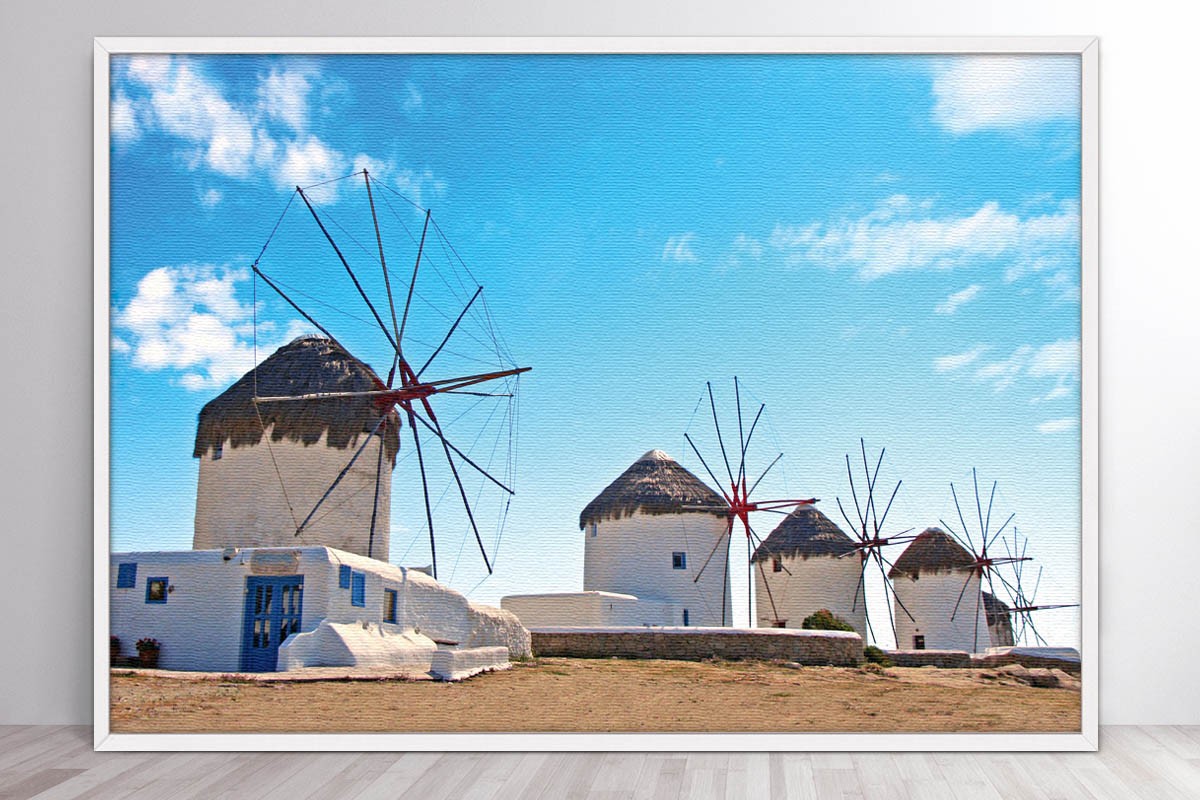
column 273, row 611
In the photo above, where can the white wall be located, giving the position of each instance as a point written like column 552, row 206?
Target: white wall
column 809, row 585
column 1149, row 171
column 931, row 601
column 633, row 555
column 240, row 503
column 589, row 609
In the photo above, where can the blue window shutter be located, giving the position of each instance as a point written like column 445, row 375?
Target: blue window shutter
column 343, row 576
column 126, row 576
column 358, row 589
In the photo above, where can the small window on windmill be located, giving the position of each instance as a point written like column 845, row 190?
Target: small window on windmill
column 592, row 529
column 919, row 642
column 218, row 451
column 678, row 560
column 776, row 564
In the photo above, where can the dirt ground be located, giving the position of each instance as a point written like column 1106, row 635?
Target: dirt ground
column 559, row 694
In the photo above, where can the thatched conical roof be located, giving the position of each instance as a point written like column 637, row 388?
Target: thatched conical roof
column 654, row 484
column 933, row 551
column 996, row 609
column 805, row 532
column 305, row 365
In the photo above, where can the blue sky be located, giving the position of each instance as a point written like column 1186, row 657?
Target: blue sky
column 877, row 246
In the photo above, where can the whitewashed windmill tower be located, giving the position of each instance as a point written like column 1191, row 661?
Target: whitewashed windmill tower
column 265, row 466
column 936, row 580
column 807, row 564
column 647, row 535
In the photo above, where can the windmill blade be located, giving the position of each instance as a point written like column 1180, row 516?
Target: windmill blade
column 424, row 489
column 1002, row 527
column 409, row 391
column 962, row 592
column 891, row 616
column 706, row 468
column 978, row 600
column 861, row 588
column 966, row 531
column 887, row 584
column 436, row 431
column 854, row 494
column 728, row 533
column 375, row 503
column 449, row 333
column 383, row 262
column 293, row 304
column 458, row 480
column 861, row 536
column 870, row 512
column 979, row 507
column 764, row 474
column 413, row 283
column 362, row 293
column 750, row 435
column 964, row 542
column 741, row 435
column 988, row 522
column 770, row 596
column 713, row 404
column 342, row 474
column 888, row 508
column 725, row 579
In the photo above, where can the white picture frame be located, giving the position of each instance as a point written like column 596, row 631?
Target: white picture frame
column 1086, row 739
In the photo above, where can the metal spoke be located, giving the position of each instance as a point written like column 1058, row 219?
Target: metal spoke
column 696, row 450
column 449, row 333
column 462, row 491
column 713, row 404
column 342, row 474
column 436, row 431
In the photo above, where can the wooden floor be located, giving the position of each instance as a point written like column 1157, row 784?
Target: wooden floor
column 1133, row 762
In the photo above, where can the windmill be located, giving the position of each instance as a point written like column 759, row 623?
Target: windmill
column 984, row 564
column 407, row 395
column 739, row 504
column 1025, row 602
column 868, row 527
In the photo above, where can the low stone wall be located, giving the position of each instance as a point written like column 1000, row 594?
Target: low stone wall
column 1065, row 659
column 455, row 665
column 812, row 648
column 946, row 659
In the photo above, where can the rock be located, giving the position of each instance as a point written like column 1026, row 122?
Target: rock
column 1041, row 678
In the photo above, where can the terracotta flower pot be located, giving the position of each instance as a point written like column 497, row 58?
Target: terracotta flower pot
column 148, row 658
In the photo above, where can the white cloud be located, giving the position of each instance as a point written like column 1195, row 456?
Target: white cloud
column 267, row 136
column 1058, row 425
column 679, row 248
column 413, row 101
column 957, row 361
column 1064, row 287
column 189, row 319
column 283, row 94
column 901, row 234
column 123, row 119
column 210, row 198
column 744, row 248
column 975, row 93
column 1004, row 373
column 1058, row 360
column 958, row 299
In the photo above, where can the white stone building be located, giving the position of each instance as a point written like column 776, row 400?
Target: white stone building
column 252, row 594
column 645, row 541
column 231, row 610
column 928, row 578
column 265, row 466
column 807, row 564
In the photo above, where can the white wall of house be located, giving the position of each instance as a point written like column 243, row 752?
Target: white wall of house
column 200, row 625
column 634, row 555
column 813, row 584
column 240, row 502
column 930, row 599
column 590, row 609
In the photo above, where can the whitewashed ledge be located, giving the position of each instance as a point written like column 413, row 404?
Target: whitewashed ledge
column 457, row 665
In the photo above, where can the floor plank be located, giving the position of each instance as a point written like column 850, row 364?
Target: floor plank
column 58, row 763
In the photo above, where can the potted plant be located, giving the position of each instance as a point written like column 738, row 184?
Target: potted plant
column 114, row 650
column 148, row 650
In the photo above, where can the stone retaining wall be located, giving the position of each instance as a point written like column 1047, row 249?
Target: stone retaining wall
column 812, row 648
column 945, row 659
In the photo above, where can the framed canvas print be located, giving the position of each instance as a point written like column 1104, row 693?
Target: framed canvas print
column 587, row 394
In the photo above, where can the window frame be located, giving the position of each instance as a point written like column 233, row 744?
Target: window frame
column 127, row 575
column 358, row 589
column 679, row 559
column 166, row 584
column 392, row 596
